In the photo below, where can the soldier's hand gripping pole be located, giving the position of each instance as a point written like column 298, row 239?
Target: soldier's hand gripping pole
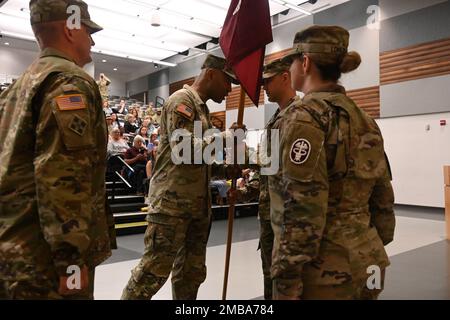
column 232, row 202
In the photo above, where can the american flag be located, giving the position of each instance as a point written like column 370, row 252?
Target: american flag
column 71, row 102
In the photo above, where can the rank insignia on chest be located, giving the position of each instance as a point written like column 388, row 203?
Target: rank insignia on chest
column 78, row 125
column 70, row 102
column 300, row 151
column 185, row 110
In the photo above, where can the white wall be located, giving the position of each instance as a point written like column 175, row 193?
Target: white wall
column 118, row 83
column 254, row 118
column 366, row 42
column 417, row 157
column 15, row 61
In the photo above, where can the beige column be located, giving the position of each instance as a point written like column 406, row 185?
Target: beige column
column 447, row 199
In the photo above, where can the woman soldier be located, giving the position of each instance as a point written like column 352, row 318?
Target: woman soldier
column 332, row 199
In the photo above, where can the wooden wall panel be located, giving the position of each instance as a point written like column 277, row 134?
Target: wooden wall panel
column 173, row 87
column 367, row 99
column 232, row 99
column 276, row 55
column 417, row 62
column 218, row 120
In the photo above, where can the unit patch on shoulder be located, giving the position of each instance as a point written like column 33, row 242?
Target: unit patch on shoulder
column 70, row 102
column 300, row 151
column 78, row 125
column 185, row 111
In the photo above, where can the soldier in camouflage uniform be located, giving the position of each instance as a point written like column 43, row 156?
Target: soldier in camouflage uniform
column 332, row 199
column 52, row 165
column 103, row 84
column 249, row 192
column 277, row 84
column 180, row 198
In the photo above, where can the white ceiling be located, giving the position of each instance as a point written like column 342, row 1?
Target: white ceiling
column 128, row 34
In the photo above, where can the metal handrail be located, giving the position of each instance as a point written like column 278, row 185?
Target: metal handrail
column 123, row 179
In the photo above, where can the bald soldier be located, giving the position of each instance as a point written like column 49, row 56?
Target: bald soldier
column 277, row 84
column 331, row 201
column 180, row 198
column 54, row 226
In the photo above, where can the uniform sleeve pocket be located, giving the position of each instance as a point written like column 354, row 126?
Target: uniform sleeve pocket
column 75, row 128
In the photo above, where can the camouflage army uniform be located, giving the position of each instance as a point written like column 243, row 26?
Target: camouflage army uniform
column 250, row 191
column 331, row 201
column 53, row 203
column 103, row 88
column 180, row 210
column 52, row 177
column 266, row 237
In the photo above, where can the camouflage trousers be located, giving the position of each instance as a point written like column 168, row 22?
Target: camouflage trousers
column 44, row 288
column 266, row 245
column 176, row 245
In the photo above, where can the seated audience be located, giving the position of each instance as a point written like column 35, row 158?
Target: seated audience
column 117, row 146
column 115, row 121
column 122, row 109
column 222, row 187
column 108, row 111
column 135, row 113
column 248, row 186
column 130, row 125
column 143, row 132
column 136, row 157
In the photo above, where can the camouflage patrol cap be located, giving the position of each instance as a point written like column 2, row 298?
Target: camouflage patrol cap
column 221, row 64
column 42, row 11
column 325, row 40
column 275, row 67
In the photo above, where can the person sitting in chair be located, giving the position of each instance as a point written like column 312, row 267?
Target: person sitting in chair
column 136, row 157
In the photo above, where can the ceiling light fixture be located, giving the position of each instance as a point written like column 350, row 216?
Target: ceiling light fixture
column 115, row 54
column 104, row 61
column 293, row 6
column 115, row 69
column 156, row 20
column 6, row 43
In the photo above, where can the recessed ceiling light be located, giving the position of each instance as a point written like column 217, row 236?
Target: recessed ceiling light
column 115, row 69
column 103, row 60
column 6, row 43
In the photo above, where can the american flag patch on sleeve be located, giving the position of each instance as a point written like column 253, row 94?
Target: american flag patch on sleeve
column 185, row 110
column 70, row 102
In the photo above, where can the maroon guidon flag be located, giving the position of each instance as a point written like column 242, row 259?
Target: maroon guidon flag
column 246, row 32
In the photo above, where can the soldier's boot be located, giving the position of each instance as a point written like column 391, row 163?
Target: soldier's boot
column 142, row 287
